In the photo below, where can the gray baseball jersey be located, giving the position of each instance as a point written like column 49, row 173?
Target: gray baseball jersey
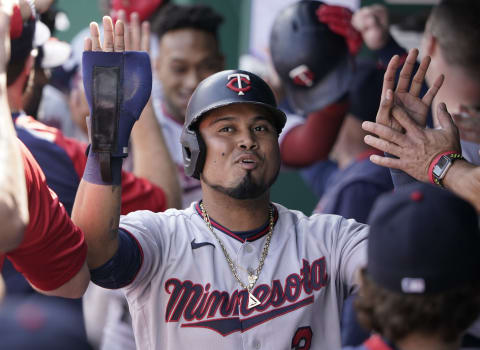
column 185, row 296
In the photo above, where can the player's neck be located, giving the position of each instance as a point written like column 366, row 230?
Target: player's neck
column 237, row 215
column 424, row 342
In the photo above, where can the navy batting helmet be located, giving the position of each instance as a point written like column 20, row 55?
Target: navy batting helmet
column 305, row 53
column 218, row 90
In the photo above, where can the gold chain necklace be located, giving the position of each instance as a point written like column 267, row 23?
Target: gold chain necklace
column 252, row 276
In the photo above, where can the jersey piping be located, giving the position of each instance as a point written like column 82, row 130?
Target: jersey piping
column 251, row 236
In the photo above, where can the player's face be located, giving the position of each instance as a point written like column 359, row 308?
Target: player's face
column 186, row 57
column 459, row 87
column 243, row 156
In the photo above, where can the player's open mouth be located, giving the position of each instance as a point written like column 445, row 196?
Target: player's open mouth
column 247, row 161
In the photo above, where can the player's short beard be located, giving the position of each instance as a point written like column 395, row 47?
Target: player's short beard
column 246, row 189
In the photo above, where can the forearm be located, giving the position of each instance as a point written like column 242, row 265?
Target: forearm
column 152, row 159
column 13, row 192
column 463, row 179
column 97, row 212
column 313, row 141
column 74, row 288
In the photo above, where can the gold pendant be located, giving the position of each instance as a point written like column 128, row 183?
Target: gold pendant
column 252, row 301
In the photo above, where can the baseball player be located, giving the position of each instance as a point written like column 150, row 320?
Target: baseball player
column 42, row 243
column 411, row 294
column 13, row 194
column 187, row 37
column 234, row 270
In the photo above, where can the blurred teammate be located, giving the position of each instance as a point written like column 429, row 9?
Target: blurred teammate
column 411, row 294
column 187, row 37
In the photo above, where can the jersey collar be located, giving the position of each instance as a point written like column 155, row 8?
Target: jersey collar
column 243, row 236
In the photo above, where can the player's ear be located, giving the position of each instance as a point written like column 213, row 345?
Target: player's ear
column 429, row 44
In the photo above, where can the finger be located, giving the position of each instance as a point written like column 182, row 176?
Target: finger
column 432, row 92
column 87, row 44
column 383, row 114
column 119, row 36
column 107, row 34
column 386, row 162
column 145, row 45
column 382, row 145
column 95, row 37
column 406, row 72
column 126, row 38
column 384, row 132
column 405, row 121
column 444, row 118
column 417, row 81
column 135, row 32
column 389, row 76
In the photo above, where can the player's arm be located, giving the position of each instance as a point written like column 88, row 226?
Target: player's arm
column 312, row 141
column 151, row 159
column 52, row 254
column 463, row 178
column 97, row 204
column 13, row 194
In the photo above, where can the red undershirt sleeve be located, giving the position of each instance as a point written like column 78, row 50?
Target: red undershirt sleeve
column 137, row 193
column 53, row 249
column 313, row 141
column 140, row 194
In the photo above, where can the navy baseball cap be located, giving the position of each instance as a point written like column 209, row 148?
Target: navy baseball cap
column 423, row 240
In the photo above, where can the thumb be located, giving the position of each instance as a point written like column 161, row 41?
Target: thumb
column 444, row 118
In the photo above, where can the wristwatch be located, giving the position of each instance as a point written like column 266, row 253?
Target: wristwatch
column 443, row 164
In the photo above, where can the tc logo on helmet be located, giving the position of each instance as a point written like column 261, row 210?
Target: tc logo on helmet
column 302, row 76
column 239, row 79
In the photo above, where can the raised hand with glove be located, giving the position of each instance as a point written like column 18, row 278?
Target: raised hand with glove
column 117, row 86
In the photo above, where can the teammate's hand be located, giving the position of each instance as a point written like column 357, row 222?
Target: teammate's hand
column 468, row 123
column 338, row 19
column 373, row 24
column 417, row 147
column 406, row 94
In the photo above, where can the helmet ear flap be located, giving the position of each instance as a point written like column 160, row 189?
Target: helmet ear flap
column 201, row 155
column 193, row 151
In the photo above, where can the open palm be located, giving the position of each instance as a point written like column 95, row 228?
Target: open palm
column 406, row 94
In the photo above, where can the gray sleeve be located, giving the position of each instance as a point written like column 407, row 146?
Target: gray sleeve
column 148, row 230
column 349, row 253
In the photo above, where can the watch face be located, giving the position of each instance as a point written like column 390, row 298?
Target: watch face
column 439, row 168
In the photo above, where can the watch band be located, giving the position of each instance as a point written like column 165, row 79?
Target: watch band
column 450, row 156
